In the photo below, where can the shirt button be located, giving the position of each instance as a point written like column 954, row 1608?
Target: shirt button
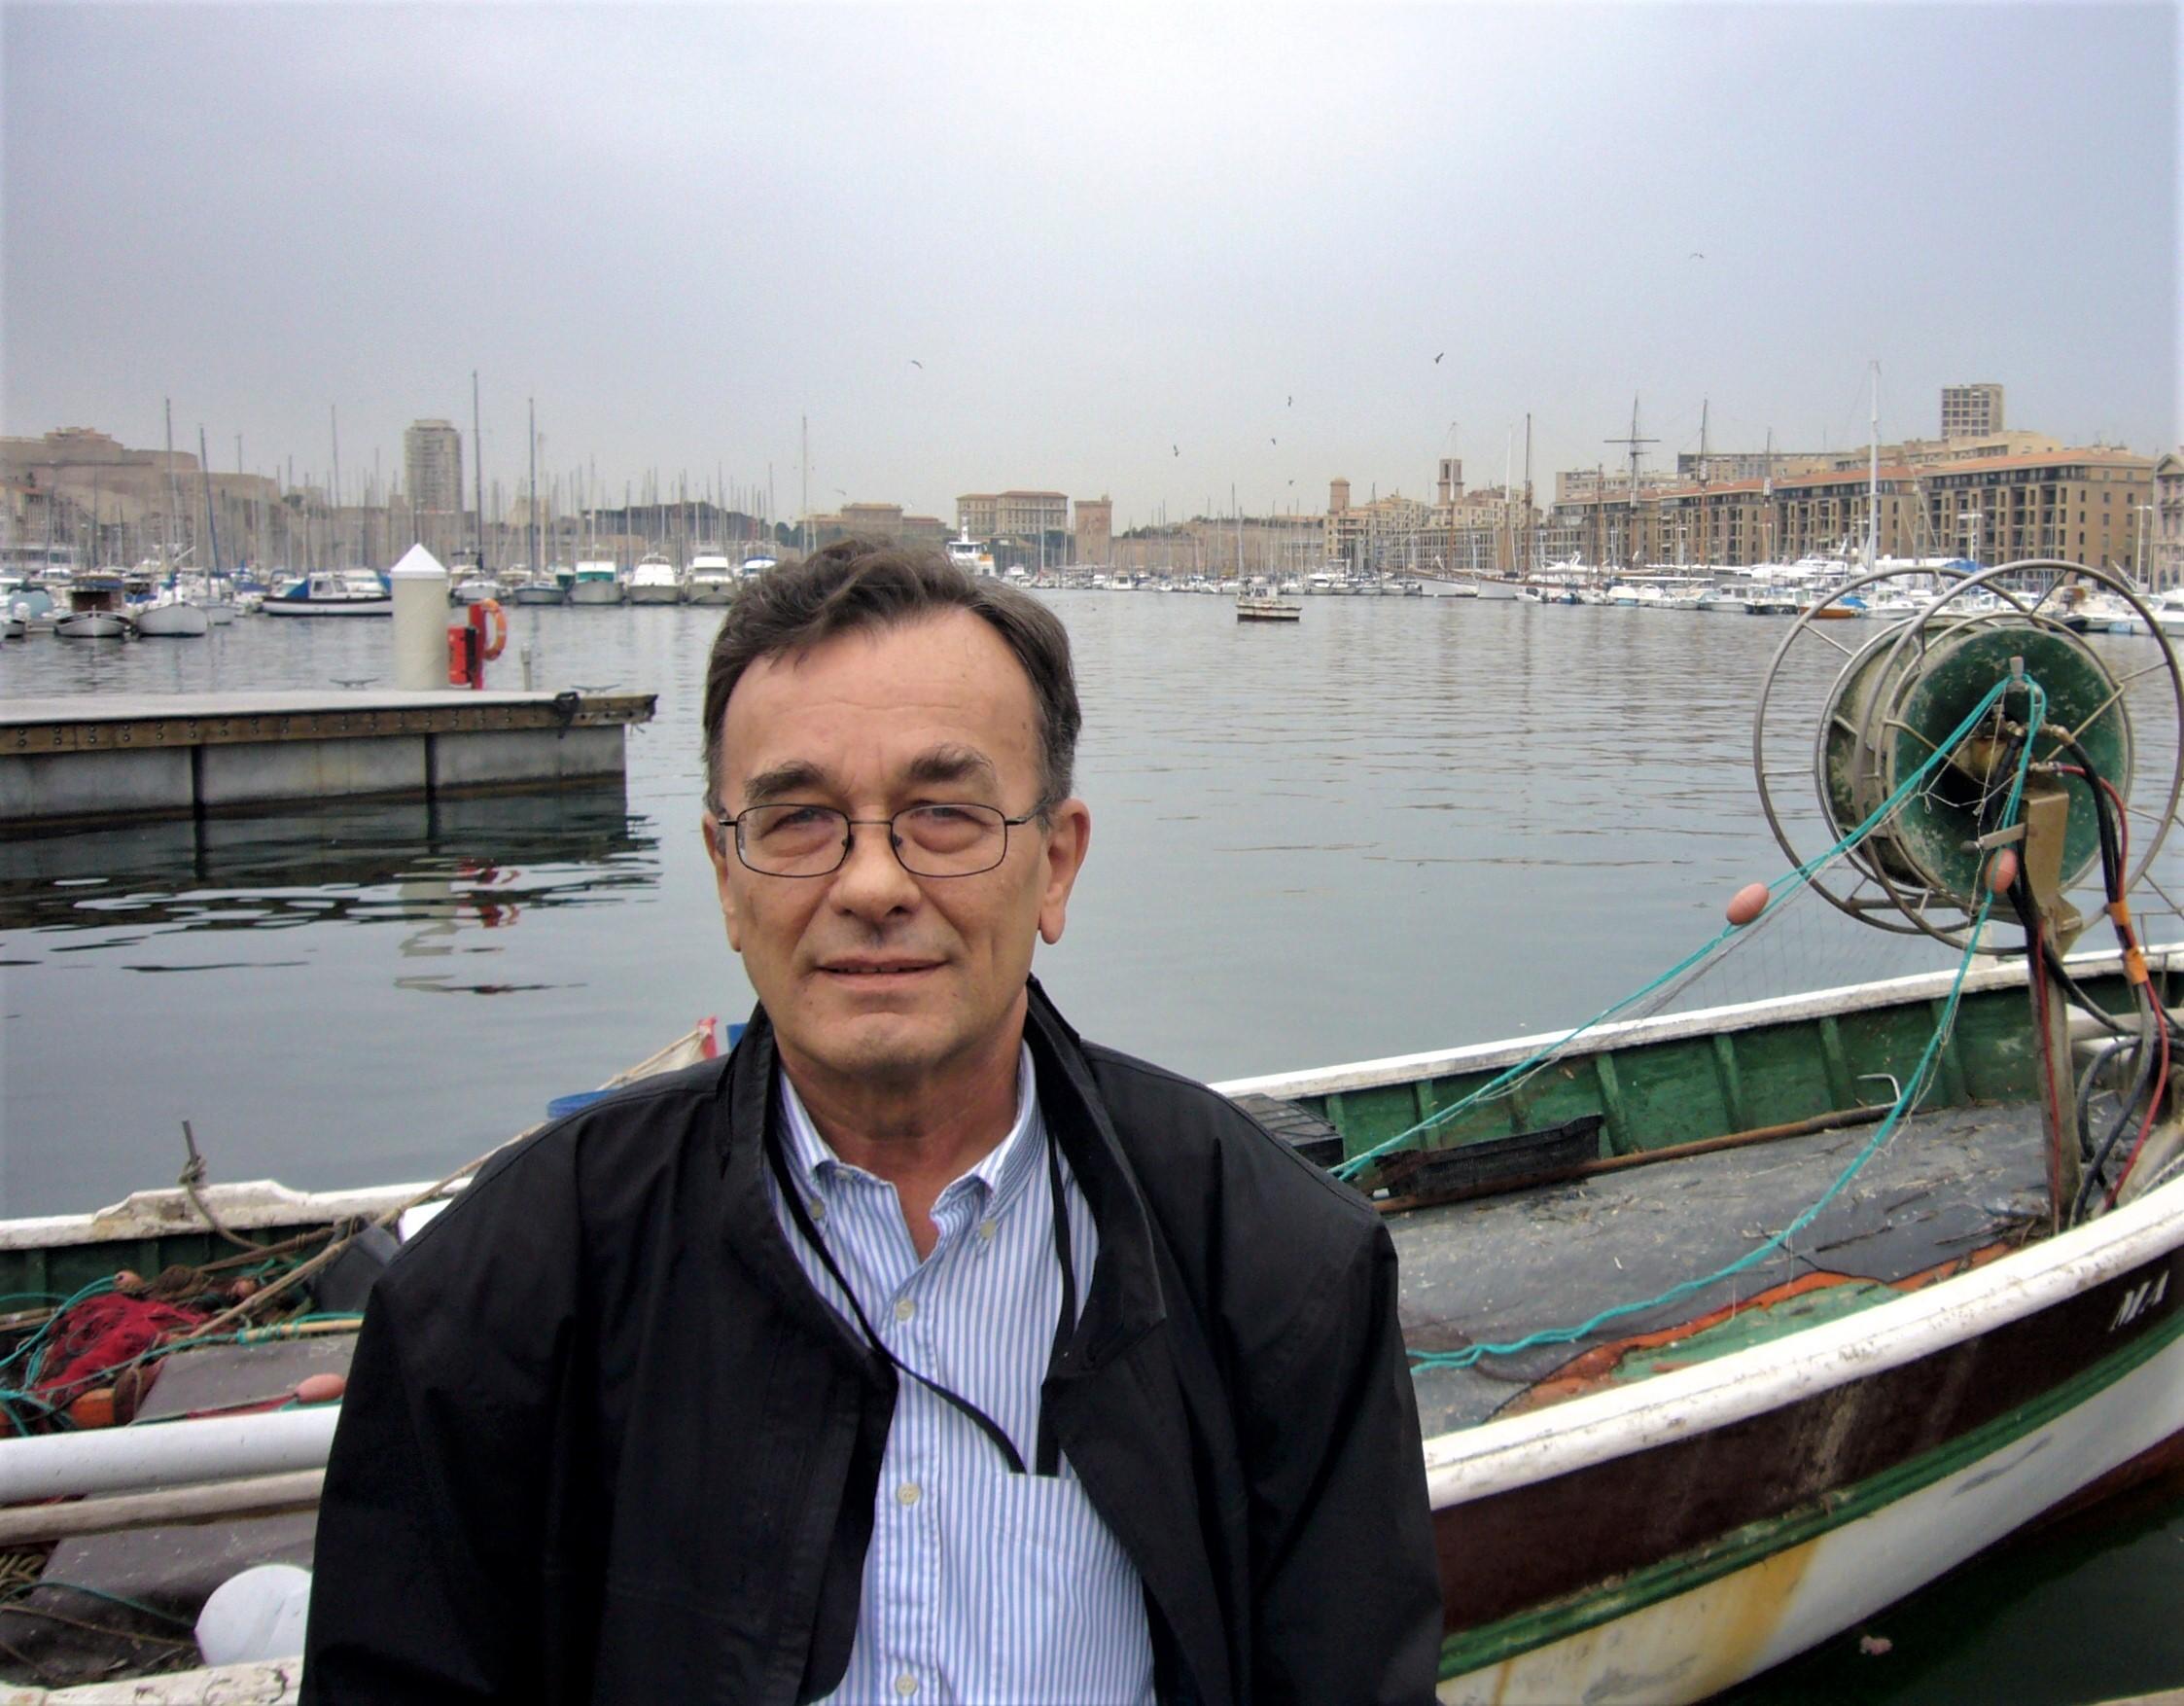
column 907, row 1493
column 818, row 1209
column 986, row 1231
column 905, row 1685
column 905, row 1308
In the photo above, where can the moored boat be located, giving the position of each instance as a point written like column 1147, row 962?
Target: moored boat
column 654, row 581
column 95, row 611
column 342, row 593
column 713, row 580
column 597, row 582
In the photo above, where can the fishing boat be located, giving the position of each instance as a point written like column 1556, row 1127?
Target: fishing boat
column 97, row 610
column 1257, row 600
column 1730, row 1324
column 340, row 592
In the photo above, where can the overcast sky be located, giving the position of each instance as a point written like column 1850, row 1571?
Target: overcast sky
column 1135, row 252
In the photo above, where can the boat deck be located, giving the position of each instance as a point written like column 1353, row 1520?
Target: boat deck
column 1948, row 1189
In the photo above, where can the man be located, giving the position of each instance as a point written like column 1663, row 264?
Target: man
column 919, row 1351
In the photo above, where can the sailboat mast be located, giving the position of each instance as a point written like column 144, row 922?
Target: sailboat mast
column 334, row 542
column 477, row 472
column 1704, row 520
column 1526, row 572
column 1873, row 475
column 212, row 524
column 531, row 508
column 166, row 533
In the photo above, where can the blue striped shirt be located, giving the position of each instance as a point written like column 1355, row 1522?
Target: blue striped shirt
column 980, row 1584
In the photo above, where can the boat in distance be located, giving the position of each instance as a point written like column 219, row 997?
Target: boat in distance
column 341, row 593
column 597, row 582
column 654, row 581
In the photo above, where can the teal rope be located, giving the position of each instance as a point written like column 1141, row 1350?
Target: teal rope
column 1352, row 1165
column 1914, row 1088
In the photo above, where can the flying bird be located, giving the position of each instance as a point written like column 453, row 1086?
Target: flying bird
column 1437, row 359
column 1274, row 441
column 1696, row 255
column 919, row 365
column 1288, row 403
column 1177, row 448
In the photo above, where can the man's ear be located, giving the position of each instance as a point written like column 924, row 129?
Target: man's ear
column 1069, row 838
column 723, row 857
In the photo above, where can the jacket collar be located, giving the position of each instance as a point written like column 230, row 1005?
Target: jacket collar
column 1124, row 1300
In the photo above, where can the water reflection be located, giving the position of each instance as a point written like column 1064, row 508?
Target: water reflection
column 443, row 865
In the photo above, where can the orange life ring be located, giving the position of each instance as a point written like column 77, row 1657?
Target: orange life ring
column 487, row 616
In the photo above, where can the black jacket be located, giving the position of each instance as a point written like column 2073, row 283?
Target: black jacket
column 603, row 1442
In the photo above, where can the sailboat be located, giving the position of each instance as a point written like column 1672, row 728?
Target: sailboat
column 1259, row 598
column 170, row 614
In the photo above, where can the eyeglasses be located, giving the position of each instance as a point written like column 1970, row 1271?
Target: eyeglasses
column 929, row 841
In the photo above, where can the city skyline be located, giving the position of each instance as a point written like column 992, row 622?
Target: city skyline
column 1150, row 256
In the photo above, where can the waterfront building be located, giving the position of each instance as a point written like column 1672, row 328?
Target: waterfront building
column 2078, row 505
column 1971, row 411
column 1382, row 535
column 2165, row 546
column 975, row 514
column 890, row 522
column 1095, row 530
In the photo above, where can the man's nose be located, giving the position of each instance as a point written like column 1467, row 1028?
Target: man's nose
column 872, row 880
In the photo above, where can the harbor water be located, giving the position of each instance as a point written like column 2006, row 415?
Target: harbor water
column 1397, row 825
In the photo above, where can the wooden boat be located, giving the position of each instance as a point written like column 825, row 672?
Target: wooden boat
column 1687, row 1496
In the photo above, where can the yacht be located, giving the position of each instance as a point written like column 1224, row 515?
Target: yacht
column 712, row 579
column 757, row 564
column 654, row 581
column 597, row 582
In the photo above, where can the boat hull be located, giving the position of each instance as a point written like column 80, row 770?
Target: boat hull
column 1762, row 1592
column 595, row 593
column 97, row 626
column 540, row 595
column 326, row 606
column 173, row 621
column 655, row 595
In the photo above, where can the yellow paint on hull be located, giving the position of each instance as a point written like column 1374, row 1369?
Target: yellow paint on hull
column 1683, row 1649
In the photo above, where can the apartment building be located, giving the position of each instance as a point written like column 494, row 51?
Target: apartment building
column 1970, row 411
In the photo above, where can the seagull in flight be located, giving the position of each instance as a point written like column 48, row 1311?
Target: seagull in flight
column 1696, row 255
column 1177, row 448
column 1437, row 359
column 919, row 365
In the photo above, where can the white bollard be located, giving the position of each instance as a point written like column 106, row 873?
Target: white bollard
column 421, row 608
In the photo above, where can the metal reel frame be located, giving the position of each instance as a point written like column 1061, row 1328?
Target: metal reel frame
column 1917, row 908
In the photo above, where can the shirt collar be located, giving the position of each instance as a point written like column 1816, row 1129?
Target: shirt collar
column 1002, row 1171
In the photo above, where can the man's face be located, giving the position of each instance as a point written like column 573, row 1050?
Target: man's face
column 871, row 974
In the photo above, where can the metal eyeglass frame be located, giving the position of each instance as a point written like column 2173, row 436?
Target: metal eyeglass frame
column 850, row 824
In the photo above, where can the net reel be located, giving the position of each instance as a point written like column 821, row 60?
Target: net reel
column 1942, row 641
column 1973, row 761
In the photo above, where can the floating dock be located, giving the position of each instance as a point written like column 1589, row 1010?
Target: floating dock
column 70, row 763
